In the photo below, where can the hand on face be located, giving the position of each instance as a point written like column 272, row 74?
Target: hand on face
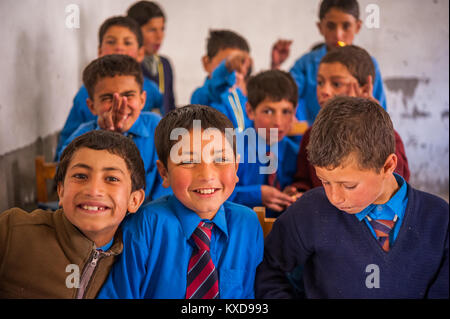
column 365, row 91
column 114, row 118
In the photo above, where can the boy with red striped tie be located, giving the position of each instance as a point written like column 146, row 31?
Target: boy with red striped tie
column 193, row 244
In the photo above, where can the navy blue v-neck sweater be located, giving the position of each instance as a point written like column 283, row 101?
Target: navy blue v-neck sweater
column 342, row 259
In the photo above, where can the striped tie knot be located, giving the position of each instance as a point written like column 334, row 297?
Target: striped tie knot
column 382, row 228
column 202, row 278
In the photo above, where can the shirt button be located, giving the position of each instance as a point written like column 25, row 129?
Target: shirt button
column 379, row 208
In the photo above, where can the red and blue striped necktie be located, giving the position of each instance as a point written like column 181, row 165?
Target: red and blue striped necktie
column 202, row 277
column 382, row 228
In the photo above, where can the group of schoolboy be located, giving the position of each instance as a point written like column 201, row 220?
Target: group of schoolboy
column 147, row 213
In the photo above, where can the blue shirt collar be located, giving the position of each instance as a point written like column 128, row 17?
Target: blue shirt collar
column 395, row 204
column 189, row 219
column 137, row 129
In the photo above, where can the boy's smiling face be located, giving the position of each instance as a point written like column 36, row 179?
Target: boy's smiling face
column 204, row 174
column 125, row 86
column 97, row 193
column 333, row 79
column 120, row 40
column 269, row 114
column 336, row 26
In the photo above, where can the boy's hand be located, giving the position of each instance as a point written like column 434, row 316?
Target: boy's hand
column 239, row 62
column 114, row 118
column 293, row 192
column 364, row 91
column 280, row 52
column 274, row 199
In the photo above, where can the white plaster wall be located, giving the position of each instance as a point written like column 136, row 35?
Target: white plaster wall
column 41, row 61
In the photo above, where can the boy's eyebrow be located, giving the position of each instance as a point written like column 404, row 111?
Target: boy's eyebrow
column 106, row 169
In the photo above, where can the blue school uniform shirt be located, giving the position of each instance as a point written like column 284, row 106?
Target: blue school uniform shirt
column 232, row 104
column 253, row 159
column 157, row 249
column 80, row 113
column 213, row 87
column 304, row 73
column 395, row 206
column 142, row 133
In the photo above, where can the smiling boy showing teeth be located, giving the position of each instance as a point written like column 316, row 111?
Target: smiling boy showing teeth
column 194, row 243
column 68, row 253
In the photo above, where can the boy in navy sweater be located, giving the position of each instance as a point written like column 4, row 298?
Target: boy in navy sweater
column 366, row 233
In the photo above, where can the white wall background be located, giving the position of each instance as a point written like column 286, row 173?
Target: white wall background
column 41, row 61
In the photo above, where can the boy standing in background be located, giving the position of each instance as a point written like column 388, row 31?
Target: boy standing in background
column 151, row 20
column 339, row 22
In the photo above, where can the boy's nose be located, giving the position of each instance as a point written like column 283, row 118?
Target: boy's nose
column 337, row 197
column 94, row 187
column 205, row 170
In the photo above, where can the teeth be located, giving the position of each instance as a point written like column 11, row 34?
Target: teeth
column 206, row 191
column 93, row 208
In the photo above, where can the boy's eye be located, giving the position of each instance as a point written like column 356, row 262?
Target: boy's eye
column 287, row 112
column 337, row 85
column 346, row 26
column 350, row 186
column 331, row 25
column 319, row 82
column 112, row 179
column 223, row 160
column 79, row 176
column 268, row 111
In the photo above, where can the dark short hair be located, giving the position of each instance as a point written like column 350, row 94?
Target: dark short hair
column 224, row 39
column 144, row 11
column 183, row 117
column 109, row 66
column 122, row 22
column 357, row 61
column 113, row 142
column 347, row 125
column 347, row 6
column 275, row 85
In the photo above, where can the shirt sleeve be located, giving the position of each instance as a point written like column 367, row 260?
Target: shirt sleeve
column 79, row 114
column 128, row 278
column 378, row 89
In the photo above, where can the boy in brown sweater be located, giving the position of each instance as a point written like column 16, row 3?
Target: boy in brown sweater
column 68, row 253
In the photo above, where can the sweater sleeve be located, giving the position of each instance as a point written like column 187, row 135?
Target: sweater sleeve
column 439, row 287
column 284, row 251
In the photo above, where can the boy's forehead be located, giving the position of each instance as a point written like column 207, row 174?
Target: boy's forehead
column 117, row 83
column 117, row 30
column 333, row 69
column 98, row 160
column 335, row 14
column 280, row 104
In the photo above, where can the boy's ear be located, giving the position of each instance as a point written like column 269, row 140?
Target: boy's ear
column 141, row 54
column 250, row 111
column 319, row 27
column 164, row 173
column 205, row 63
column 143, row 99
column 60, row 191
column 358, row 26
column 99, row 51
column 136, row 199
column 390, row 164
column 90, row 105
